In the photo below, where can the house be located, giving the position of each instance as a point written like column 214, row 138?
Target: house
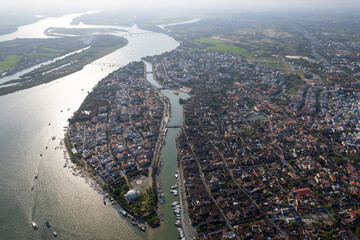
column 302, row 191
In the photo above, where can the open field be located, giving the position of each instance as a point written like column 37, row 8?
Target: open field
column 9, row 62
column 228, row 48
column 221, row 46
column 53, row 50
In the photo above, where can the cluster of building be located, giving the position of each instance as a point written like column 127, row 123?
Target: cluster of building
column 117, row 127
column 259, row 163
column 182, row 68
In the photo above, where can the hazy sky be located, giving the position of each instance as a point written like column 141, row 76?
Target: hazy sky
column 192, row 4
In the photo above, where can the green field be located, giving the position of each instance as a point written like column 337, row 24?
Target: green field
column 220, row 46
column 228, row 48
column 40, row 54
column 208, row 41
column 50, row 52
column 54, row 50
column 9, row 63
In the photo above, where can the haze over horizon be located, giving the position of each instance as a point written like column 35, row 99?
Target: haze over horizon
column 237, row 5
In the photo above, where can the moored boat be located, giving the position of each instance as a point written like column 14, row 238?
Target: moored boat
column 34, row 225
column 123, row 212
column 54, row 233
column 142, row 227
column 47, row 223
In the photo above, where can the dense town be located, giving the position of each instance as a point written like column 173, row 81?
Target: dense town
column 269, row 148
column 113, row 136
column 267, row 153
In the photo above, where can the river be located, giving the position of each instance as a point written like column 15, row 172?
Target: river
column 74, row 209
column 169, row 156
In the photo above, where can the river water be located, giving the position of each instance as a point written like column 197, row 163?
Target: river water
column 73, row 208
column 169, row 156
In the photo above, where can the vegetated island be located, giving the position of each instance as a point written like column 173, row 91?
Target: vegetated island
column 99, row 46
column 114, row 138
column 20, row 54
column 53, row 31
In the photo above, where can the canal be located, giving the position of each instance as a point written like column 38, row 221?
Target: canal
column 169, row 156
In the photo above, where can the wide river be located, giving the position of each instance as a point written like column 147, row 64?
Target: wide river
column 70, row 203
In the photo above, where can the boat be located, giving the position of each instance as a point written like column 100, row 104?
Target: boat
column 174, row 204
column 61, row 110
column 47, row 223
column 174, row 186
column 34, row 225
column 162, row 218
column 134, row 223
column 123, row 212
column 176, row 175
column 174, row 192
column 36, row 176
column 68, row 109
column 53, row 138
column 32, row 188
column 40, row 154
column 178, row 223
column 142, row 227
column 104, row 200
column 54, row 233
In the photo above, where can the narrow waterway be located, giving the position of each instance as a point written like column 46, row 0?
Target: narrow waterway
column 167, row 175
column 28, row 121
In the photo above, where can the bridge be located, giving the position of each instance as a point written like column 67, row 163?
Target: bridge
column 173, row 126
column 105, row 64
column 139, row 34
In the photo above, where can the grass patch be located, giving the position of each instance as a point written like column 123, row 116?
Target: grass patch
column 293, row 82
column 54, row 50
column 39, row 54
column 228, row 48
column 208, row 41
column 9, row 63
column 220, row 46
column 50, row 52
